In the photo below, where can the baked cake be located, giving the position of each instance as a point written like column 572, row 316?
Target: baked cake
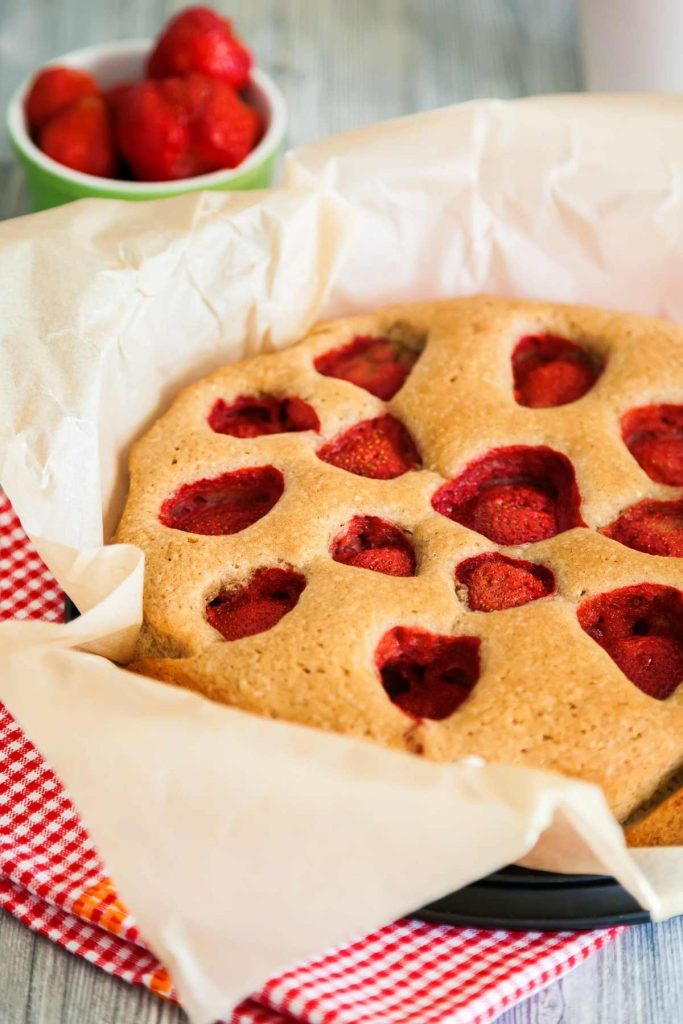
column 452, row 528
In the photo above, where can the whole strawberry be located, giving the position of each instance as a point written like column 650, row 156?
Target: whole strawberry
column 81, row 137
column 114, row 95
column 182, row 127
column 151, row 134
column 199, row 40
column 54, row 89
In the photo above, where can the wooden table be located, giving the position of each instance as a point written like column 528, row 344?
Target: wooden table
column 341, row 63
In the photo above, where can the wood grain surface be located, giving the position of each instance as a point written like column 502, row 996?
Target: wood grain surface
column 340, row 63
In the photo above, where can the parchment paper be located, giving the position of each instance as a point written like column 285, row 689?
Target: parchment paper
column 241, row 845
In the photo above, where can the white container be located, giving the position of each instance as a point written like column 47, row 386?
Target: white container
column 632, row 45
column 51, row 183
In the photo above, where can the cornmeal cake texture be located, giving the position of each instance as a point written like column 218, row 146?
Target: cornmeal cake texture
column 663, row 826
column 452, row 528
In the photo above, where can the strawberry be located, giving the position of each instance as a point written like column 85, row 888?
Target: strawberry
column 661, row 458
column 427, row 675
column 372, row 543
column 556, row 383
column 380, row 448
column 223, row 128
column 654, row 436
column 641, row 628
column 226, row 504
column 653, row 663
column 254, row 416
column 181, row 127
column 259, row 605
column 655, row 527
column 199, row 40
column 515, row 513
column 380, row 365
column 80, row 137
column 152, row 134
column 515, row 495
column 390, row 561
column 550, row 371
column 54, row 89
column 495, row 582
column 117, row 93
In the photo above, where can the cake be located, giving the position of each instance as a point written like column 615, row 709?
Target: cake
column 452, row 528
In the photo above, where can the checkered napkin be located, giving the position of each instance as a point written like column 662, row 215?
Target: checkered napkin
column 51, row 878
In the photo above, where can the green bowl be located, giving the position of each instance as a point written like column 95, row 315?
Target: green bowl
column 51, row 184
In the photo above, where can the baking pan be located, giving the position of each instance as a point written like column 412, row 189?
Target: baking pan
column 521, row 900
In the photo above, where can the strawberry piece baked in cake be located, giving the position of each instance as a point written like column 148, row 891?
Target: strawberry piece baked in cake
column 452, row 528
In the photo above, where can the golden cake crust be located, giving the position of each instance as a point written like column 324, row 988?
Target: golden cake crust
column 548, row 696
column 663, row 826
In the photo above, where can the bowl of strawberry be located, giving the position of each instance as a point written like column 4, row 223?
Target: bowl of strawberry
column 143, row 120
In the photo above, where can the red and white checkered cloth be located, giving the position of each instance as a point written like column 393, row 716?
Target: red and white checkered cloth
column 51, row 878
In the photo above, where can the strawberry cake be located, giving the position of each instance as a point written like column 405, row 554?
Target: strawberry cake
column 452, row 528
